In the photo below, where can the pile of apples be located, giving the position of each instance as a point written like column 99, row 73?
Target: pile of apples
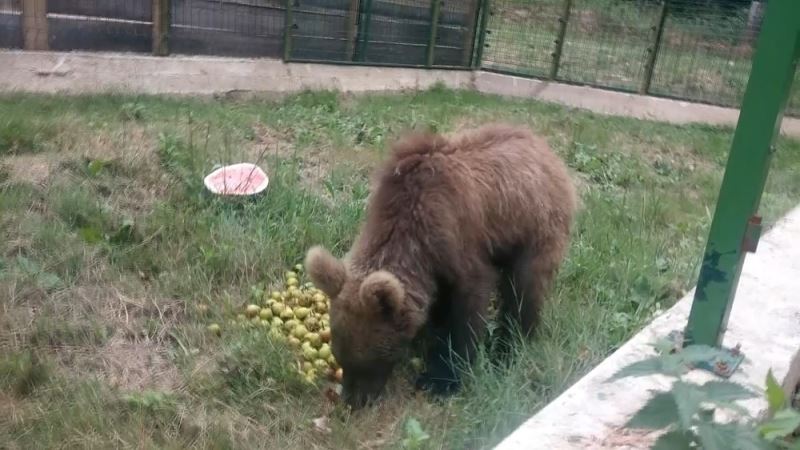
column 298, row 315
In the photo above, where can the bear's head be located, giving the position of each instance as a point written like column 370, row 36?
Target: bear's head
column 371, row 323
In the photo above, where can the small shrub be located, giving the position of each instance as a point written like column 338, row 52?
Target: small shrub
column 132, row 111
column 23, row 136
column 687, row 410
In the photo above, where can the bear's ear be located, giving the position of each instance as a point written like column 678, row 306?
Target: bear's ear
column 383, row 292
column 327, row 272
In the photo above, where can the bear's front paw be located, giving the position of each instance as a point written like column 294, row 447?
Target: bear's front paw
column 437, row 385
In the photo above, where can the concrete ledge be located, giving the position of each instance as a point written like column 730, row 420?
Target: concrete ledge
column 765, row 320
column 616, row 103
column 84, row 72
column 54, row 72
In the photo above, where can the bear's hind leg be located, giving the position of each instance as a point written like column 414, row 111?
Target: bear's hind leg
column 523, row 287
column 455, row 344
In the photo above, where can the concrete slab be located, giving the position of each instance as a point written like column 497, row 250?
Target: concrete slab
column 616, row 103
column 52, row 72
column 765, row 320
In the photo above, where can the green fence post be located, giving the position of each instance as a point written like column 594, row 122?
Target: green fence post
column 735, row 227
column 655, row 46
column 470, row 32
column 287, row 31
column 366, row 18
column 562, row 33
column 436, row 9
column 485, row 12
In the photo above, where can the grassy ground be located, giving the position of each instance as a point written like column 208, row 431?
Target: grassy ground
column 110, row 245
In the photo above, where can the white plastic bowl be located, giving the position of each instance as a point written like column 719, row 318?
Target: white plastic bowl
column 241, row 179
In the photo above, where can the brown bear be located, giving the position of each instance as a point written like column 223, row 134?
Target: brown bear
column 449, row 220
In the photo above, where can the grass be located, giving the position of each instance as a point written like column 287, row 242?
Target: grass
column 111, row 246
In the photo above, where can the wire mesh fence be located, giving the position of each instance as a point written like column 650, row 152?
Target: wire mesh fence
column 606, row 42
column 521, row 36
column 688, row 49
column 697, row 50
column 393, row 32
column 706, row 52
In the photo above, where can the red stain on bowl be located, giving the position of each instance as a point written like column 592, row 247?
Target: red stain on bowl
column 237, row 179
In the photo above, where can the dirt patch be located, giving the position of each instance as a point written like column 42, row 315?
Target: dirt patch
column 34, row 169
column 135, row 356
column 660, row 152
column 132, row 366
column 313, row 166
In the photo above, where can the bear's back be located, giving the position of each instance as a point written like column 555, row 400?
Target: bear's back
column 493, row 185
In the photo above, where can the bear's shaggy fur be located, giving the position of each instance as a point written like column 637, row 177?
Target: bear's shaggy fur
column 450, row 219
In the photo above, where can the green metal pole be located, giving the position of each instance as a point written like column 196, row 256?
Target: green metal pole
column 485, row 12
column 562, row 33
column 652, row 51
column 471, row 32
column 366, row 18
column 287, row 31
column 735, row 227
column 436, row 9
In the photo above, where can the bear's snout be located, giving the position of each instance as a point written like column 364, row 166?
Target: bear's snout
column 361, row 391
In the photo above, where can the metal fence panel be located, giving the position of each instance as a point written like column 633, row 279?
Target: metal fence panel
column 706, row 52
column 606, row 42
column 396, row 32
column 521, row 36
column 455, row 36
column 10, row 24
column 111, row 25
column 323, row 30
column 227, row 27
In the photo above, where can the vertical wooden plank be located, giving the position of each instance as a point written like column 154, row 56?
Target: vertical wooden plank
column 352, row 29
column 161, row 25
column 34, row 25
